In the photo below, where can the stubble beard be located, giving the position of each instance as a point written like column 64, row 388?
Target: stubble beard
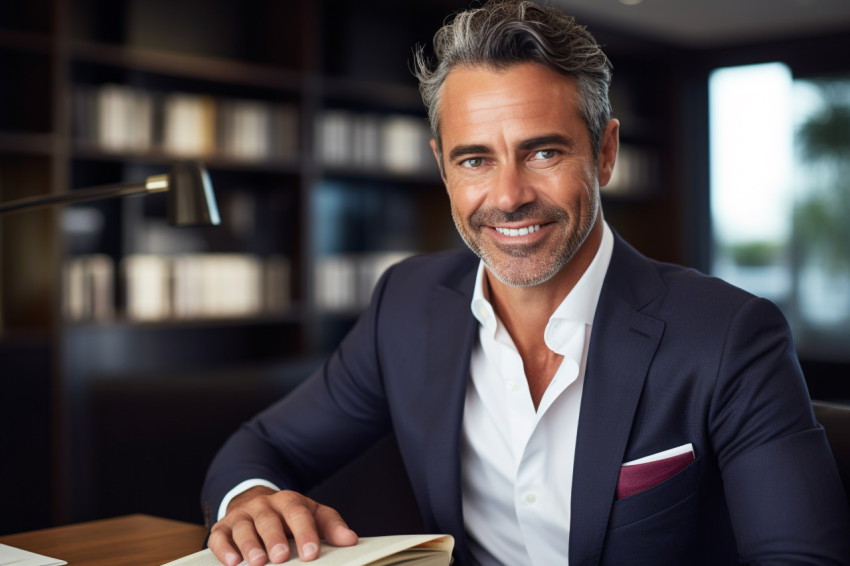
column 532, row 264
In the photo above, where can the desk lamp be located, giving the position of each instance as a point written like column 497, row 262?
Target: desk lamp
column 191, row 201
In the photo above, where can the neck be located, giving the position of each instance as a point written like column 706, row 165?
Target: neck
column 525, row 312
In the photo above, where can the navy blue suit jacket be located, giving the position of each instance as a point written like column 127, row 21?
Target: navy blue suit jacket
column 675, row 357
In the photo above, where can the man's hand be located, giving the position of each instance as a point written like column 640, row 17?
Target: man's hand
column 258, row 521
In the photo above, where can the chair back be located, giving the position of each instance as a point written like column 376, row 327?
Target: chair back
column 835, row 419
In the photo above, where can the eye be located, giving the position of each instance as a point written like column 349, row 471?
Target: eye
column 544, row 154
column 472, row 162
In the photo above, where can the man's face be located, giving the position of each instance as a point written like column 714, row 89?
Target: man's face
column 519, row 168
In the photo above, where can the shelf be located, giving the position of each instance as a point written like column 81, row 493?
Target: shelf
column 29, row 142
column 294, row 316
column 380, row 94
column 183, row 66
column 100, row 91
column 94, row 152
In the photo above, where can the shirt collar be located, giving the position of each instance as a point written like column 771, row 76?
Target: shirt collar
column 578, row 306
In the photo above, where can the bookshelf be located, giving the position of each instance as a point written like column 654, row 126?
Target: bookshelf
column 308, row 118
column 315, row 166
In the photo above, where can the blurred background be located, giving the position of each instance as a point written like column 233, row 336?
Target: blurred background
column 130, row 349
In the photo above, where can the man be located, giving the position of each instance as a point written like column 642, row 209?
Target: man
column 563, row 399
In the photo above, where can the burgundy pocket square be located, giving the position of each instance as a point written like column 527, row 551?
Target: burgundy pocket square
column 640, row 477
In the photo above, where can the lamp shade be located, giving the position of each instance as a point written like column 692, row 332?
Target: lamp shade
column 191, row 201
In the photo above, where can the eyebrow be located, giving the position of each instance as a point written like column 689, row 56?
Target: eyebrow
column 525, row 145
column 472, row 149
column 543, row 141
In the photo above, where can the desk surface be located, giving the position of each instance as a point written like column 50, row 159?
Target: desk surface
column 135, row 540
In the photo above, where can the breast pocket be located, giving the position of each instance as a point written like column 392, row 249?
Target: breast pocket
column 657, row 498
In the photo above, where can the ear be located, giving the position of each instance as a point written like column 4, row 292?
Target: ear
column 436, row 150
column 608, row 152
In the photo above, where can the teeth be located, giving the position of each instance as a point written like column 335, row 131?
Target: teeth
column 518, row 231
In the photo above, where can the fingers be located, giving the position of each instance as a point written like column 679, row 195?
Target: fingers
column 334, row 529
column 308, row 521
column 271, row 531
column 297, row 512
column 256, row 527
column 222, row 545
column 248, row 541
column 247, row 532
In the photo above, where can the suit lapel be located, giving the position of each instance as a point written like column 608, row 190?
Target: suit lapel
column 450, row 338
column 623, row 344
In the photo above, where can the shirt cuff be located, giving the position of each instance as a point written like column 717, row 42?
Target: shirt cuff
column 244, row 486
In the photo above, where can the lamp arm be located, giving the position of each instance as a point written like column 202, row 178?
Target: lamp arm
column 152, row 184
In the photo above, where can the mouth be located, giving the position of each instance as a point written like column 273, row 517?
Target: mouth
column 516, row 232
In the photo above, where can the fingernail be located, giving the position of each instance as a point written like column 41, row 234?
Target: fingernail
column 232, row 559
column 256, row 555
column 310, row 549
column 279, row 552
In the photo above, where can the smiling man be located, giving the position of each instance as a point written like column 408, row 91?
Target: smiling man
column 557, row 397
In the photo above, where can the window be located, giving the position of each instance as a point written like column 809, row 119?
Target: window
column 780, row 196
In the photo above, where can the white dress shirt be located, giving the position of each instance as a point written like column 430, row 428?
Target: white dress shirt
column 517, row 463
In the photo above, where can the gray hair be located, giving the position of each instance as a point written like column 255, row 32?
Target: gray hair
column 506, row 32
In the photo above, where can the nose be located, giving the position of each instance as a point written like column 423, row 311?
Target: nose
column 510, row 189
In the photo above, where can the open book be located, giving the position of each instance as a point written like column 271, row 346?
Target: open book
column 410, row 550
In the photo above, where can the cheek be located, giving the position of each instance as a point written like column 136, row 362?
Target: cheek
column 570, row 190
column 466, row 198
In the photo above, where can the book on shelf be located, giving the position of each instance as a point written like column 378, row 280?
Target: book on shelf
column 189, row 124
column 396, row 143
column 176, row 287
column 147, row 287
column 344, row 282
column 122, row 118
column 205, row 285
column 88, row 288
column 410, row 550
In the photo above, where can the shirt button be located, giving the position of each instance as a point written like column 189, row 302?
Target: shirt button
column 512, row 385
column 530, row 498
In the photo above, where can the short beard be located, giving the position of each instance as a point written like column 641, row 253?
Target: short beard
column 544, row 268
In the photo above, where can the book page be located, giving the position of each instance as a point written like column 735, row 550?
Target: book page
column 367, row 551
column 10, row 555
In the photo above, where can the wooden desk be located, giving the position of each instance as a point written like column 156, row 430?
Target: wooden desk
column 135, row 540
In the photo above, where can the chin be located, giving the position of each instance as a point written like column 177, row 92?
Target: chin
column 519, row 276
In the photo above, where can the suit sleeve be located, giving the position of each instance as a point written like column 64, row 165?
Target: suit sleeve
column 336, row 414
column 785, row 498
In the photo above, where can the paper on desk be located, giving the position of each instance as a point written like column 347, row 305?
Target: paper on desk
column 11, row 556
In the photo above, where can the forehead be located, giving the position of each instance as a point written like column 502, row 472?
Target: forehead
column 521, row 97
